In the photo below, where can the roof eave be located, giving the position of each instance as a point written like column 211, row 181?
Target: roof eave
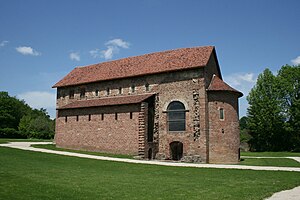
column 57, row 85
column 240, row 94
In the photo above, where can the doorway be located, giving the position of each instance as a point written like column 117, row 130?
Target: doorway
column 176, row 150
column 150, row 154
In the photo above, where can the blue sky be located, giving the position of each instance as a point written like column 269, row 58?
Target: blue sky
column 41, row 41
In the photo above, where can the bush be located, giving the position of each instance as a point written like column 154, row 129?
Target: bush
column 10, row 133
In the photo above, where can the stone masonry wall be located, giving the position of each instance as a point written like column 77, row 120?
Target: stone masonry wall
column 106, row 134
column 224, row 137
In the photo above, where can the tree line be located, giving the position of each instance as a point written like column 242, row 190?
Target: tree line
column 273, row 115
column 18, row 120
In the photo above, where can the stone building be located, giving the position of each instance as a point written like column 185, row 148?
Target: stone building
column 165, row 105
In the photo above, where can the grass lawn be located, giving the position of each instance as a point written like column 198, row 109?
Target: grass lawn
column 6, row 140
column 53, row 147
column 271, row 154
column 278, row 162
column 34, row 175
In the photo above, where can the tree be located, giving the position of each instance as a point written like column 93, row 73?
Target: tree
column 17, row 119
column 265, row 119
column 11, row 111
column 289, row 85
column 243, row 123
column 37, row 125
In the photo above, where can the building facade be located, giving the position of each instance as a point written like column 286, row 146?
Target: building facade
column 165, row 105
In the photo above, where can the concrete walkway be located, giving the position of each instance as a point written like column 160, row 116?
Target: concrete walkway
column 293, row 194
column 293, row 158
column 26, row 146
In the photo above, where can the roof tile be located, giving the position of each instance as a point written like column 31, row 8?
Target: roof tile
column 107, row 101
column 217, row 84
column 158, row 62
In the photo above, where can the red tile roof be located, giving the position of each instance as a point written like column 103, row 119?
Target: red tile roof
column 107, row 101
column 217, row 84
column 153, row 63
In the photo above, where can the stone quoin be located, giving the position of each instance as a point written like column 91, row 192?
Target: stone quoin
column 164, row 105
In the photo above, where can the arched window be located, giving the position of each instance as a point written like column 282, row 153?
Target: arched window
column 176, row 116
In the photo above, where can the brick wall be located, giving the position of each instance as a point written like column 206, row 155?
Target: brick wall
column 224, row 135
column 107, row 135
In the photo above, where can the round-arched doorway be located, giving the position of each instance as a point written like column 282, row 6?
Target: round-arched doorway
column 176, row 150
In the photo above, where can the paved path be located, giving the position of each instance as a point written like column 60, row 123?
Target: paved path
column 294, row 158
column 293, row 194
column 26, row 146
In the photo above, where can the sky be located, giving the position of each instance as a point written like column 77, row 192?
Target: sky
column 43, row 40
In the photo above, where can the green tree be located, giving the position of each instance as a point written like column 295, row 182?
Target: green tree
column 17, row 119
column 289, row 86
column 243, row 123
column 37, row 125
column 11, row 111
column 265, row 119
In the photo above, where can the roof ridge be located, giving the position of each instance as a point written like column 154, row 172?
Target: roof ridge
column 147, row 54
column 217, row 84
column 151, row 63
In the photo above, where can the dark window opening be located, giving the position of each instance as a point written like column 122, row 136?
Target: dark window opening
column 66, row 118
column 221, row 113
column 120, row 90
column 150, row 154
column 147, row 86
column 82, row 93
column 97, row 92
column 150, row 124
column 90, row 117
column 176, row 116
column 116, row 116
column 133, row 88
column 71, row 94
column 107, row 91
column 102, row 116
column 130, row 115
column 77, row 118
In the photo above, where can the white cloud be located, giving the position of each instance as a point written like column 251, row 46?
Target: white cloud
column 118, row 42
column 39, row 99
column 112, row 47
column 95, row 53
column 75, row 56
column 239, row 79
column 296, row 61
column 27, row 51
column 109, row 52
column 243, row 82
column 3, row 43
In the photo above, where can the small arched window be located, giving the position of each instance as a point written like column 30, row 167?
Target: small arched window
column 176, row 116
column 147, row 87
column 221, row 113
column 82, row 93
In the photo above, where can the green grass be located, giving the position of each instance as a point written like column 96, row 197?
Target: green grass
column 278, row 162
column 271, row 154
column 35, row 175
column 53, row 147
column 6, row 140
